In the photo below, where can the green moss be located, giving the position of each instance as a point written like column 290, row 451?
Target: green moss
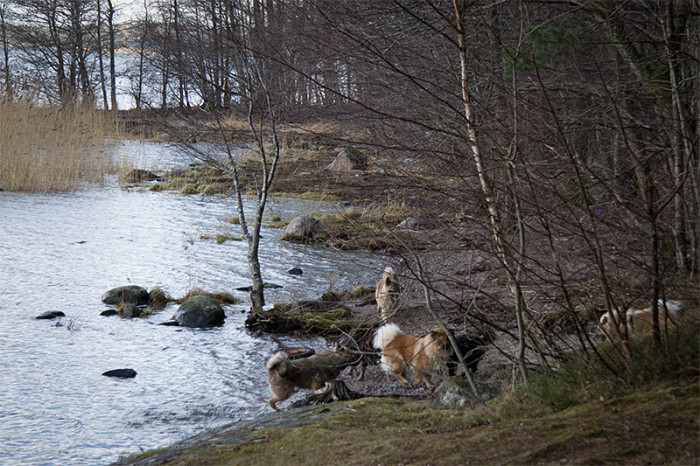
column 188, row 189
column 362, row 292
column 211, row 189
column 315, row 317
column 220, row 297
column 177, row 183
column 158, row 299
column 221, row 238
column 156, row 187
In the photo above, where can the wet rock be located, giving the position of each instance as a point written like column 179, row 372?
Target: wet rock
column 348, row 159
column 131, row 294
column 295, row 271
column 170, row 323
column 121, row 373
column 237, row 432
column 130, row 310
column 109, row 312
column 50, row 315
column 302, row 228
column 200, row 312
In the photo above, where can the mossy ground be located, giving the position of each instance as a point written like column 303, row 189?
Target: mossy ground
column 649, row 427
column 314, row 317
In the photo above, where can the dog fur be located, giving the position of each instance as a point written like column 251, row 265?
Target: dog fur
column 638, row 321
column 387, row 292
column 472, row 348
column 402, row 353
column 285, row 375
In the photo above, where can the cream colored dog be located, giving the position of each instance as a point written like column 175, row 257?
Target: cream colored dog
column 638, row 320
column 387, row 293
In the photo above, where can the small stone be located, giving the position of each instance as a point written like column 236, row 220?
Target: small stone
column 121, row 373
column 295, row 271
column 109, row 312
column 51, row 315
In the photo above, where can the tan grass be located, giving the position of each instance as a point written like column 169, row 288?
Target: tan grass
column 53, row 149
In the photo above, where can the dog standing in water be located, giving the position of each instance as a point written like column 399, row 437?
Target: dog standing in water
column 387, row 293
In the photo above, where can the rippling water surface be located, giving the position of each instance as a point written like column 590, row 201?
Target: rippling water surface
column 63, row 251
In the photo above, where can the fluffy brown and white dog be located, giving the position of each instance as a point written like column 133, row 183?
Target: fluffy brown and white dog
column 285, row 373
column 387, row 292
column 423, row 357
column 638, row 320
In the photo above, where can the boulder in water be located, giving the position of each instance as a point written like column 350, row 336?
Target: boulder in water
column 130, row 294
column 302, row 228
column 200, row 312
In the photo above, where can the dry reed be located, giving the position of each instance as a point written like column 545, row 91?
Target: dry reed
column 53, row 149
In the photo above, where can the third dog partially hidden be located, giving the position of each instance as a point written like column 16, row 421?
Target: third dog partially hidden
column 638, row 320
column 285, row 375
column 472, row 348
column 423, row 357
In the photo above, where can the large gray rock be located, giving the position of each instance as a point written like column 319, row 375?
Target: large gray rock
column 348, row 159
column 302, row 228
column 130, row 294
column 200, row 312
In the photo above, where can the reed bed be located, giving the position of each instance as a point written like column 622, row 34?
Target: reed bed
column 50, row 149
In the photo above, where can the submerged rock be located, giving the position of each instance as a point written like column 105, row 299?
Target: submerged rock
column 121, row 373
column 200, row 312
column 295, row 271
column 130, row 294
column 50, row 315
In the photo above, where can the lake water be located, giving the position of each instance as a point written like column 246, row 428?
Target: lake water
column 61, row 252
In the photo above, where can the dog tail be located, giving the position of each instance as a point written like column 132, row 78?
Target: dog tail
column 278, row 362
column 385, row 335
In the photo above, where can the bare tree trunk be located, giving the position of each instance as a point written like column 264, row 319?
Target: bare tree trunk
column 100, row 61
column 494, row 214
column 112, row 60
column 8, row 97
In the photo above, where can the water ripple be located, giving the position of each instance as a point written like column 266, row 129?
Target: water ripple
column 62, row 251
